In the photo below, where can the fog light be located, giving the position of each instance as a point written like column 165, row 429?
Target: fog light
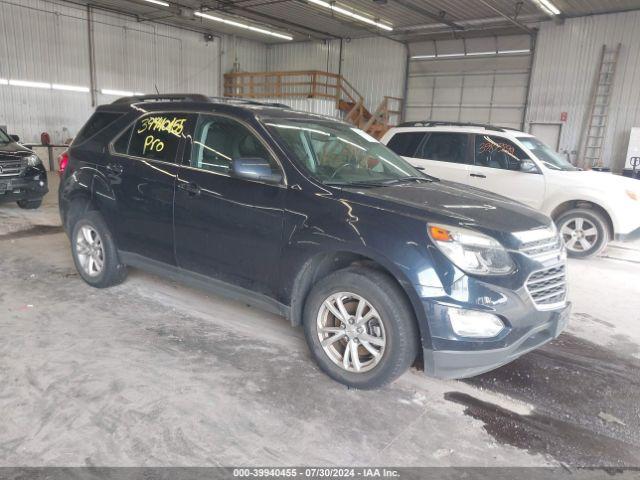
column 41, row 183
column 469, row 323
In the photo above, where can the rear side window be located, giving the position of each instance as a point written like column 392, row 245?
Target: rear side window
column 405, row 143
column 98, row 121
column 158, row 136
column 445, row 147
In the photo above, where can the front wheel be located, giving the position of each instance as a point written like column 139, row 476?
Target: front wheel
column 360, row 328
column 29, row 204
column 585, row 232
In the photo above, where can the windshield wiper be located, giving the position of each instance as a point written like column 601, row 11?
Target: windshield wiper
column 411, row 179
column 356, row 184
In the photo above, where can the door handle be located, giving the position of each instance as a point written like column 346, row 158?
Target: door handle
column 116, row 168
column 191, row 188
column 477, row 175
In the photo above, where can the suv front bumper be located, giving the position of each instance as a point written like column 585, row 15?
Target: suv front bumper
column 468, row 363
column 23, row 188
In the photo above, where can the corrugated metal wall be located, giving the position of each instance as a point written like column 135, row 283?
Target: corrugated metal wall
column 374, row 66
column 564, row 71
column 48, row 42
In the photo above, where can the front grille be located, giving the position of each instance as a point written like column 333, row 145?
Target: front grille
column 11, row 167
column 548, row 287
column 542, row 246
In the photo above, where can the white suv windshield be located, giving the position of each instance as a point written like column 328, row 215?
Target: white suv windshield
column 546, row 155
column 338, row 154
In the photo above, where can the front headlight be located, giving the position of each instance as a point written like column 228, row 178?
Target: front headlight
column 33, row 161
column 471, row 251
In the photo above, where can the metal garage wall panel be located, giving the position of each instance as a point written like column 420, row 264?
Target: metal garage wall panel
column 565, row 65
column 249, row 55
column 43, row 42
column 374, row 66
column 46, row 41
column 304, row 56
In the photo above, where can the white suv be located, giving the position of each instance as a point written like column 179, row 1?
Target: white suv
column 589, row 207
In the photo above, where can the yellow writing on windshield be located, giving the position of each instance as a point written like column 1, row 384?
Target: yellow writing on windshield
column 174, row 126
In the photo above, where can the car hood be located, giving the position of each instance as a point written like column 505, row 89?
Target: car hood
column 14, row 149
column 442, row 201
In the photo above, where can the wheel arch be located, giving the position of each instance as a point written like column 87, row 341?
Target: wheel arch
column 324, row 263
column 586, row 204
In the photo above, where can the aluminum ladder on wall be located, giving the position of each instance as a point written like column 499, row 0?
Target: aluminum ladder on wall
column 599, row 108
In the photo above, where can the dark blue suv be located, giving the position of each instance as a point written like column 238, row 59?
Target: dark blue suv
column 315, row 220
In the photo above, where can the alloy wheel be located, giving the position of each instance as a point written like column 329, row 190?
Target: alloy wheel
column 579, row 234
column 351, row 332
column 90, row 251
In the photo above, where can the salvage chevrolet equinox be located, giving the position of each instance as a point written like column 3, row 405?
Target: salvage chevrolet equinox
column 317, row 221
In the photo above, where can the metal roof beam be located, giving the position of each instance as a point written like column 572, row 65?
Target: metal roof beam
column 434, row 16
column 518, row 24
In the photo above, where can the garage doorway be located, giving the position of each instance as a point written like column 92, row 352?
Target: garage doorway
column 481, row 80
column 549, row 133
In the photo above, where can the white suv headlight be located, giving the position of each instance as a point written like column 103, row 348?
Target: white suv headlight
column 471, row 251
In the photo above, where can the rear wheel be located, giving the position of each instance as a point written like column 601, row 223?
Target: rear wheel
column 360, row 328
column 29, row 204
column 585, row 232
column 94, row 252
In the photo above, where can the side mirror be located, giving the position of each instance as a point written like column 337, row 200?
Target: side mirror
column 15, row 138
column 527, row 166
column 254, row 168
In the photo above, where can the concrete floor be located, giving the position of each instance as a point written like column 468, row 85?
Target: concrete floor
column 151, row 373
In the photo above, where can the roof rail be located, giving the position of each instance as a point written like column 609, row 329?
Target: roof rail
column 171, row 97
column 436, row 123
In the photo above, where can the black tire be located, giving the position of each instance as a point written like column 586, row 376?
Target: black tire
column 113, row 271
column 598, row 242
column 29, row 204
column 396, row 314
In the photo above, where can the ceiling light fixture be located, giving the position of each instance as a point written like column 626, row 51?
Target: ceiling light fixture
column 4, row 81
column 356, row 16
column 245, row 26
column 549, row 7
column 158, row 2
column 512, row 52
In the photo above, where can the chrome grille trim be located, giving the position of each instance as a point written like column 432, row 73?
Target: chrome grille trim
column 548, row 287
column 11, row 167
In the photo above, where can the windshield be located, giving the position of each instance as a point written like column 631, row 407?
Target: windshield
column 546, row 155
column 4, row 138
column 337, row 154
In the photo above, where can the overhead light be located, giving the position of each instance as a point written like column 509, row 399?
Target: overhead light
column 120, row 93
column 158, row 2
column 25, row 83
column 508, row 52
column 418, row 57
column 477, row 54
column 4, row 81
column 245, row 26
column 70, row 88
column 549, row 7
column 349, row 13
column 449, row 55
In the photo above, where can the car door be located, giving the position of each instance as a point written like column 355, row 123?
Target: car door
column 444, row 155
column 143, row 170
column 225, row 227
column 498, row 168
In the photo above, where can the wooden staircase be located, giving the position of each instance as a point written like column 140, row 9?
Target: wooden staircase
column 316, row 84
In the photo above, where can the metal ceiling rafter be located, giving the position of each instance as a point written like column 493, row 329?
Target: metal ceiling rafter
column 434, row 16
column 229, row 7
column 518, row 24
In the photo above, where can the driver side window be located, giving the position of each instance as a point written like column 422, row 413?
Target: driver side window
column 497, row 152
column 217, row 141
